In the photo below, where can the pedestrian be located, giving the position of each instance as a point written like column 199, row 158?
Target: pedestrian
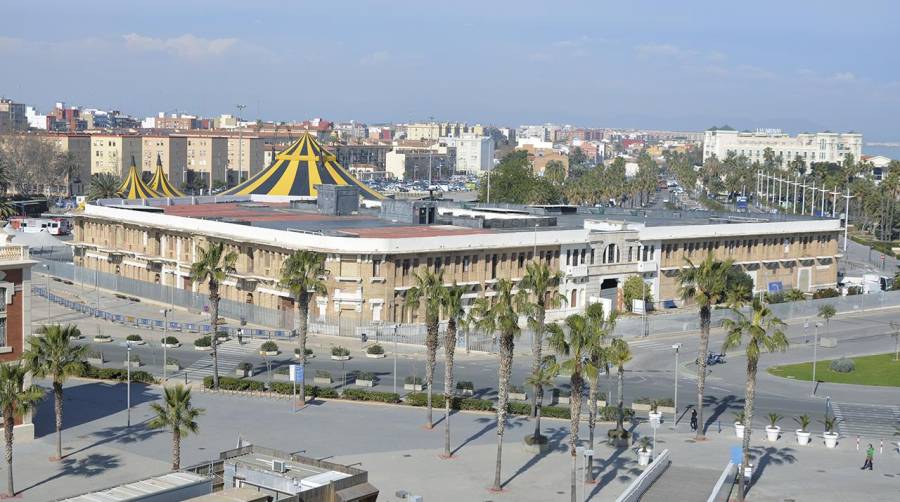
column 240, row 334
column 693, row 420
column 870, row 455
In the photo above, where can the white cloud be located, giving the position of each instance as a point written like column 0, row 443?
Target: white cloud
column 845, row 76
column 376, row 58
column 646, row 51
column 187, row 46
column 10, row 44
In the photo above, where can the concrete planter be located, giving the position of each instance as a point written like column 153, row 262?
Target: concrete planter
column 102, row 339
column 518, row 396
column 173, row 367
column 562, row 399
column 269, row 353
column 365, row 383
column 308, row 356
column 831, row 439
column 739, row 429
column 136, row 342
column 640, row 407
column 644, row 457
column 772, row 433
column 203, row 349
column 666, row 409
column 241, row 373
column 536, row 448
column 171, row 345
column 803, row 437
column 321, row 381
column 281, row 377
column 655, row 417
column 413, row 386
column 133, row 364
column 340, row 358
column 94, row 361
column 465, row 392
column 376, row 356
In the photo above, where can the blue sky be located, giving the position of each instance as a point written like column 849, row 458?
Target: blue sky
column 798, row 65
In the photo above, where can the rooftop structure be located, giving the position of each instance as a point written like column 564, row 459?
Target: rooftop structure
column 174, row 486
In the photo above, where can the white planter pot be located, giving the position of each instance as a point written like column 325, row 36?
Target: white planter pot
column 95, row 362
column 562, row 399
column 802, row 437
column 98, row 339
column 772, row 433
column 412, row 386
column 173, row 367
column 831, row 439
column 171, row 345
column 656, row 417
column 281, row 377
column 136, row 342
column 268, row 353
column 644, row 457
column 518, row 396
column 322, row 381
column 308, row 356
column 465, row 392
column 365, row 383
column 376, row 356
column 340, row 358
column 204, row 349
column 133, row 364
column 666, row 409
column 738, row 430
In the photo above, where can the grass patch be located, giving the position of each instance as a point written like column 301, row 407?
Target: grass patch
column 880, row 369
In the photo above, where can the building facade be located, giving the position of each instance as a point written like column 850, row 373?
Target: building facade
column 15, row 315
column 474, row 154
column 170, row 151
column 113, row 154
column 815, row 147
column 207, row 160
column 12, row 116
column 245, row 157
column 79, row 146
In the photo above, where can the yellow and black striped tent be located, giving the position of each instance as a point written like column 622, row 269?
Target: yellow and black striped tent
column 133, row 187
column 160, row 182
column 298, row 169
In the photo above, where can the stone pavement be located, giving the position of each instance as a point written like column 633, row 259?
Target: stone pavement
column 400, row 454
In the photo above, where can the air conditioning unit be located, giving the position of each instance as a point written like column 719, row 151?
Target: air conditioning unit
column 278, row 466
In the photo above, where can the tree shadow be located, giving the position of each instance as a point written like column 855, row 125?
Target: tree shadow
column 87, row 402
column 762, row 456
column 490, row 423
column 120, row 434
column 720, row 406
column 86, row 467
column 555, row 443
column 614, row 467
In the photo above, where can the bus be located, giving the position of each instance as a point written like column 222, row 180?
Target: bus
column 53, row 226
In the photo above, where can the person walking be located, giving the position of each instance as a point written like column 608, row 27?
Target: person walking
column 694, row 420
column 870, row 456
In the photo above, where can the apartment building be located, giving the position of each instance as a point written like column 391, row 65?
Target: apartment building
column 811, row 147
column 474, row 154
column 434, row 131
column 170, row 151
column 421, row 163
column 245, row 157
column 12, row 116
column 113, row 154
column 207, row 160
column 79, row 145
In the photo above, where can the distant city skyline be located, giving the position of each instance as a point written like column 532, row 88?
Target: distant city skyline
column 798, row 66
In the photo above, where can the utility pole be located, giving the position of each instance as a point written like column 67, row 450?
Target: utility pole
column 815, row 355
column 846, row 216
column 834, row 195
column 165, row 313
column 676, row 346
column 240, row 160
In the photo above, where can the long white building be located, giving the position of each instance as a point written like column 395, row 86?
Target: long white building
column 811, row 147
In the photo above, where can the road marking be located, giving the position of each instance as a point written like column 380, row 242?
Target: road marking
column 230, row 355
column 868, row 421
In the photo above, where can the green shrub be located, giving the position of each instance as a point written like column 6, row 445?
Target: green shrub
column 172, row 360
column 288, row 388
column 283, row 370
column 457, row 403
column 517, row 408
column 231, row 383
column 773, row 298
column 411, row 380
column 368, row 395
column 635, row 289
column 611, row 413
column 245, row 366
column 854, row 290
column 117, row 374
column 203, row 341
column 826, row 293
column 340, row 351
column 375, row 349
column 134, row 338
column 268, row 346
column 326, row 392
column 843, row 365
column 516, row 389
column 465, row 385
column 555, row 411
column 366, row 375
column 170, row 340
column 666, row 401
column 308, row 351
column 94, row 354
column 323, row 374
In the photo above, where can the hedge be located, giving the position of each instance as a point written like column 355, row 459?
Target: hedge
column 231, row 383
column 117, row 374
column 368, row 395
column 457, row 402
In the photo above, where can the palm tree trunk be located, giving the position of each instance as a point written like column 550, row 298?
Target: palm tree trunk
column 176, row 450
column 303, row 307
column 449, row 347
column 574, row 419
column 592, row 421
column 58, row 407
column 608, row 385
column 701, row 369
column 537, row 415
column 620, row 421
column 8, row 424
column 214, row 323
column 431, row 343
column 506, row 355
column 748, row 420
column 536, row 349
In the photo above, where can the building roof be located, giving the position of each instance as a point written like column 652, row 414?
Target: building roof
column 297, row 171
column 160, row 182
column 139, row 490
column 133, row 186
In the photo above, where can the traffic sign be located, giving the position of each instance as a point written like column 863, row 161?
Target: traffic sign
column 296, row 373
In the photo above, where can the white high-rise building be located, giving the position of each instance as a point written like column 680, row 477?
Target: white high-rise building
column 811, row 147
column 474, row 154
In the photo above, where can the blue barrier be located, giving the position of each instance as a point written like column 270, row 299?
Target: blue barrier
column 174, row 326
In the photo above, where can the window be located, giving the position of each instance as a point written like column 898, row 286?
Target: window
column 465, row 263
column 521, row 260
column 376, row 268
column 405, row 267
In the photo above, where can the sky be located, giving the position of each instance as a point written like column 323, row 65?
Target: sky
column 799, row 65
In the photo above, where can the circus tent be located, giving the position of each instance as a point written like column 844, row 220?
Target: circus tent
column 133, row 187
column 297, row 170
column 160, row 182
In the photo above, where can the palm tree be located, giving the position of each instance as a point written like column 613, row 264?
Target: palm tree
column 501, row 317
column 542, row 286
column 15, row 400
column 544, row 378
column 601, row 329
column 619, row 353
column 707, row 284
column 827, row 312
column 52, row 355
column 176, row 413
column 452, row 305
column 430, row 287
column 214, row 266
column 764, row 333
column 103, row 186
column 301, row 274
column 575, row 344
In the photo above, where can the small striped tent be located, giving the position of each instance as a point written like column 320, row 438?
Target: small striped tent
column 160, row 182
column 297, row 170
column 133, row 187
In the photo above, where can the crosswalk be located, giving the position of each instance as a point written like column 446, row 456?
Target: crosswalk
column 649, row 344
column 230, row 354
column 867, row 421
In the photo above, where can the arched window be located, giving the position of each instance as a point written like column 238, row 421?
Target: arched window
column 611, row 254
column 574, row 297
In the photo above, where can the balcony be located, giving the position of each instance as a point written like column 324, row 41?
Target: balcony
column 14, row 254
column 577, row 271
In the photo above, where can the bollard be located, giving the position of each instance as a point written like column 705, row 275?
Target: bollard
column 881, row 448
column 857, row 443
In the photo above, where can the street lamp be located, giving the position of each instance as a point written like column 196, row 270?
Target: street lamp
column 128, row 384
column 165, row 313
column 395, row 358
column 47, row 282
column 815, row 354
column 677, row 347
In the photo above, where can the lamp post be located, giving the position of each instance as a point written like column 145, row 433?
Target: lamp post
column 47, row 282
column 675, row 346
column 395, row 358
column 240, row 160
column 165, row 313
column 128, row 384
column 815, row 355
column 846, row 216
